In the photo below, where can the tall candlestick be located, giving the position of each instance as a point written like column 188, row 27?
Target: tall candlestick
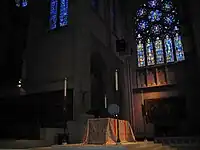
column 65, row 112
column 116, row 80
column 105, row 101
column 65, row 87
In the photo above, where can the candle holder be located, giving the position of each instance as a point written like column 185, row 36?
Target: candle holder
column 65, row 127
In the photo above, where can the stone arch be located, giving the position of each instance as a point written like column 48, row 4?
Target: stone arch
column 97, row 72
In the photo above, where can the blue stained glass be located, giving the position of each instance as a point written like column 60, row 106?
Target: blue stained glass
column 167, row 6
column 169, row 19
column 169, row 49
column 21, row 3
column 141, row 12
column 156, row 29
column 24, row 3
column 140, row 54
column 155, row 15
column 179, row 48
column 53, row 14
column 153, row 3
column 159, row 51
column 156, row 23
column 18, row 3
column 142, row 25
column 176, row 29
column 150, row 53
column 63, row 13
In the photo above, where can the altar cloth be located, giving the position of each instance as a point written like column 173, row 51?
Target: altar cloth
column 104, row 131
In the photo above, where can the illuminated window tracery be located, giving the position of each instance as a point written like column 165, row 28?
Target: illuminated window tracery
column 158, row 26
column 155, row 15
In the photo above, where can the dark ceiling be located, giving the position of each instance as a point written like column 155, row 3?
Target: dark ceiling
column 131, row 5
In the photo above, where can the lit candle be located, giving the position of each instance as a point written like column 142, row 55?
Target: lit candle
column 105, row 101
column 65, row 87
column 116, row 80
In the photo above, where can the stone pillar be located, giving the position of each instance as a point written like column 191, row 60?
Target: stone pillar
column 193, row 101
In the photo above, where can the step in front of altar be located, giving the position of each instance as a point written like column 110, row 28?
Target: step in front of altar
column 88, row 147
column 129, row 146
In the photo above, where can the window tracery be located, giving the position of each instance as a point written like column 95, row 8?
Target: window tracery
column 158, row 34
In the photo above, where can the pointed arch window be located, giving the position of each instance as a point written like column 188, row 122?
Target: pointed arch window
column 159, row 51
column 149, row 52
column 140, row 53
column 158, row 29
column 58, row 14
column 21, row 3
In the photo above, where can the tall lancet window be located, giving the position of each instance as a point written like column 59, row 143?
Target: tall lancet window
column 150, row 53
column 140, row 53
column 159, row 51
column 21, row 3
column 63, row 17
column 158, row 29
column 169, row 49
column 58, row 14
column 53, row 14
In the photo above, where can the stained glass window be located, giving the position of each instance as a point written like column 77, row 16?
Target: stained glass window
column 169, row 49
column 153, row 3
column 24, row 3
column 155, row 15
column 53, row 14
column 141, row 12
column 140, row 53
column 179, row 48
column 63, row 12
column 159, row 28
column 156, row 29
column 167, row 6
column 142, row 25
column 159, row 51
column 169, row 19
column 21, row 3
column 18, row 2
column 150, row 53
column 58, row 13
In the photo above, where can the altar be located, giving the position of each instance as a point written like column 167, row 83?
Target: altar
column 104, row 131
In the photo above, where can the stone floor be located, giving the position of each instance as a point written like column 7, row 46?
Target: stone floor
column 124, row 146
column 127, row 146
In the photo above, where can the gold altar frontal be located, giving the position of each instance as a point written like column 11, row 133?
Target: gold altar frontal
column 104, row 131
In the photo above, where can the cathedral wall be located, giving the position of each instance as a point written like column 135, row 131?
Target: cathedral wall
column 185, row 77
column 49, row 54
column 52, row 55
